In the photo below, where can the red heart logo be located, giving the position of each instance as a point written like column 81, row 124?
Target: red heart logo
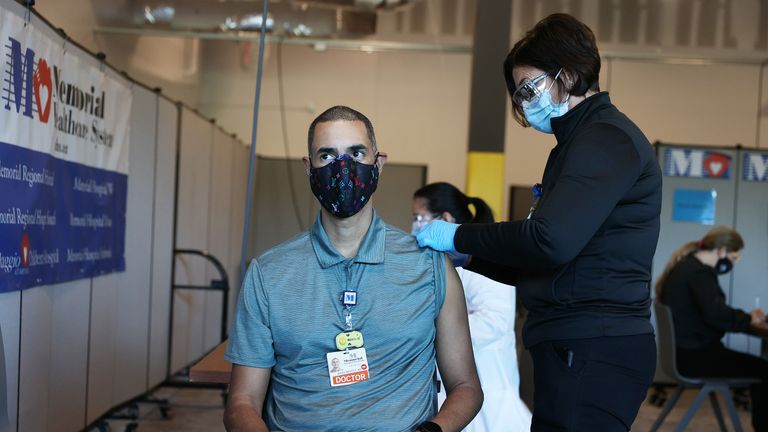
column 42, row 78
column 25, row 250
column 717, row 164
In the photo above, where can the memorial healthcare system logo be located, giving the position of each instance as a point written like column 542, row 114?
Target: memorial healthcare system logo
column 32, row 86
column 25, row 79
column 697, row 164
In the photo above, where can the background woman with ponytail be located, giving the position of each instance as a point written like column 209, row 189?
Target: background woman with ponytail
column 690, row 288
column 491, row 308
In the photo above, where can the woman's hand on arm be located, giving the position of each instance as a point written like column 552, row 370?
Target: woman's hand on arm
column 438, row 235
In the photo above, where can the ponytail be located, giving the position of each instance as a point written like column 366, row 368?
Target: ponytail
column 682, row 252
column 444, row 197
column 483, row 212
column 717, row 237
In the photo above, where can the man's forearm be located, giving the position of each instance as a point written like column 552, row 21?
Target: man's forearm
column 242, row 418
column 460, row 407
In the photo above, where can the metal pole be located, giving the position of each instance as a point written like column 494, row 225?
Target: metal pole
column 252, row 160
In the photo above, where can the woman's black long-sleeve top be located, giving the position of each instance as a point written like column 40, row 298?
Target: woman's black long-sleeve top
column 583, row 260
column 698, row 306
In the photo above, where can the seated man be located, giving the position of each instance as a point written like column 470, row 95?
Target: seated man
column 339, row 328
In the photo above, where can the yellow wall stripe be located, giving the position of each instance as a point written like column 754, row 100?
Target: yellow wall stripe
column 485, row 179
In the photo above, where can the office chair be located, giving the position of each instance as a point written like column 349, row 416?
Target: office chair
column 708, row 386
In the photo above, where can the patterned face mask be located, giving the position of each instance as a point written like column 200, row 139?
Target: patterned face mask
column 345, row 185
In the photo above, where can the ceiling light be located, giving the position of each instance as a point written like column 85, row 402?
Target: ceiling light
column 163, row 14
column 301, row 30
column 228, row 24
column 253, row 22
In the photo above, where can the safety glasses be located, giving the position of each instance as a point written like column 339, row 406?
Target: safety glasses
column 530, row 90
column 420, row 220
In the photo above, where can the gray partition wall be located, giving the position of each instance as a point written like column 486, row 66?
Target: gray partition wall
column 121, row 301
column 750, row 277
column 219, row 209
column 162, row 237
column 211, row 197
column 683, row 170
column 194, row 179
column 690, row 175
column 741, row 202
column 10, row 323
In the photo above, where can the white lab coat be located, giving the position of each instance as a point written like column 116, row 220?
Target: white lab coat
column 491, row 308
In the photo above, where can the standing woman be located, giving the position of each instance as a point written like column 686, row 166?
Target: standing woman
column 583, row 258
column 491, row 309
column 690, row 288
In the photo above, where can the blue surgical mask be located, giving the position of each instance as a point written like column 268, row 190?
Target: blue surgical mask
column 540, row 113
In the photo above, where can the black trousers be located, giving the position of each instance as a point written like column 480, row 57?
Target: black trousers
column 593, row 384
column 720, row 362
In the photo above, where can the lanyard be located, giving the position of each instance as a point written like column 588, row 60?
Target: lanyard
column 348, row 297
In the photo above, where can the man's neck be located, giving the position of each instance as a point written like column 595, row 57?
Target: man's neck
column 347, row 234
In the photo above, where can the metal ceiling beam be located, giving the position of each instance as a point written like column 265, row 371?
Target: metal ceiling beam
column 316, row 43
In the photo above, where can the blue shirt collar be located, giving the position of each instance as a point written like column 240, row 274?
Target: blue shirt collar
column 371, row 248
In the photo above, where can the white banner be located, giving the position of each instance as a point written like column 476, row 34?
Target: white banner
column 63, row 161
column 56, row 103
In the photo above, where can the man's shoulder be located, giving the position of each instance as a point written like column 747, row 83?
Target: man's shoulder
column 294, row 250
column 402, row 242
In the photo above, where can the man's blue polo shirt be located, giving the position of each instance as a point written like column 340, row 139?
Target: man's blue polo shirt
column 289, row 312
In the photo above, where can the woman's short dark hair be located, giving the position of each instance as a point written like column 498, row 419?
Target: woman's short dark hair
column 445, row 197
column 558, row 41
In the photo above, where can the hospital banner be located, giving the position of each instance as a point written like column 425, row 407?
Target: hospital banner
column 64, row 143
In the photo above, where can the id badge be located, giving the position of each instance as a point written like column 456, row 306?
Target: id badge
column 347, row 367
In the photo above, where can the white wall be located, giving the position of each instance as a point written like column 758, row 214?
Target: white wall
column 417, row 102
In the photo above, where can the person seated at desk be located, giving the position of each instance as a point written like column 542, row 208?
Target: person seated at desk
column 491, row 308
column 352, row 292
column 690, row 288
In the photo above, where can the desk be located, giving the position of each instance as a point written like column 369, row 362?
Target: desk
column 212, row 368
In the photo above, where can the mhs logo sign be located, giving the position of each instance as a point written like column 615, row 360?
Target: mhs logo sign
column 755, row 167
column 28, row 78
column 33, row 83
column 697, row 164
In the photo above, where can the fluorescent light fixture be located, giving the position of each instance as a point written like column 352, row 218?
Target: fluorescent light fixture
column 301, row 30
column 253, row 22
column 163, row 14
column 148, row 15
column 228, row 24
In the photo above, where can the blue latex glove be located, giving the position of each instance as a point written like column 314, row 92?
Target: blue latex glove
column 438, row 235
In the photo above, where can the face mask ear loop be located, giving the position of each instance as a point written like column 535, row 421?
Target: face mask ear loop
column 553, row 83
